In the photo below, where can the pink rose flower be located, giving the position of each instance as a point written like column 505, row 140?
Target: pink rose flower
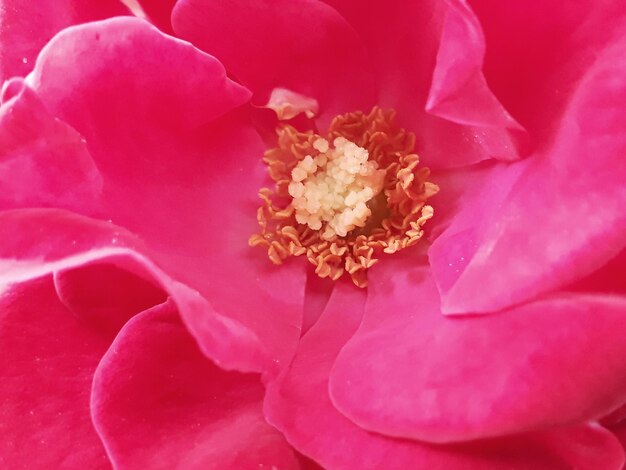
column 138, row 328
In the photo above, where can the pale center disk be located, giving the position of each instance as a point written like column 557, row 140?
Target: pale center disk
column 332, row 189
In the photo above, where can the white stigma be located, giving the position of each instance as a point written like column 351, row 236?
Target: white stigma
column 333, row 188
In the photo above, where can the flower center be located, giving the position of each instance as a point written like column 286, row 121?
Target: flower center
column 332, row 190
column 345, row 198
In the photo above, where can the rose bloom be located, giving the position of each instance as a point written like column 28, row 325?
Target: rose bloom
column 433, row 277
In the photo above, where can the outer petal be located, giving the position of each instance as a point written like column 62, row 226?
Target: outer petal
column 53, row 241
column 302, row 45
column 563, row 216
column 25, row 27
column 538, row 52
column 183, row 181
column 43, row 162
column 426, row 376
column 105, row 294
column 417, row 39
column 159, row 403
column 299, row 405
column 620, row 432
column 47, row 359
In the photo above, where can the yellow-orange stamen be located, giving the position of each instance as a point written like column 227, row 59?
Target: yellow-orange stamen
column 345, row 198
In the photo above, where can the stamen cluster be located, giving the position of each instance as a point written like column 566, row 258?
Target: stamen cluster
column 346, row 198
column 333, row 188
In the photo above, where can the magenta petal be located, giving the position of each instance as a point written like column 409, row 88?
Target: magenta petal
column 302, row 45
column 159, row 403
column 459, row 91
column 53, row 240
column 619, row 431
column 538, row 53
column 105, row 294
column 78, row 63
column 426, row 376
column 47, row 359
column 181, row 176
column 25, row 27
column 43, row 162
column 299, row 405
column 561, row 219
column 159, row 12
column 409, row 47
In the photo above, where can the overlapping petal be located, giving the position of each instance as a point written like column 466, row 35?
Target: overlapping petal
column 158, row 12
column 25, row 27
column 415, row 39
column 538, row 53
column 303, row 45
column 299, row 405
column 159, row 403
column 559, row 219
column 427, row 376
column 47, row 359
column 148, row 126
column 43, row 161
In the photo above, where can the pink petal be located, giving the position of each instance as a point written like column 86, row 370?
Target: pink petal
column 53, row 240
column 557, row 217
column 47, row 359
column 620, row 433
column 26, row 26
column 43, row 162
column 299, row 405
column 538, row 53
column 158, row 12
column 159, row 403
column 105, row 294
column 303, row 45
column 422, row 375
column 459, row 91
column 317, row 294
column 183, row 180
column 609, row 279
column 415, row 39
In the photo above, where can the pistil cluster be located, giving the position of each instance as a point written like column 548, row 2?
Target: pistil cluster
column 346, row 198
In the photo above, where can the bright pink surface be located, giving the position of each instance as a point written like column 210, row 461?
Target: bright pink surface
column 129, row 170
column 159, row 403
column 198, row 178
column 159, row 12
column 417, row 63
column 301, row 45
column 43, row 161
column 47, row 359
column 556, row 361
column 556, row 217
column 298, row 404
column 25, row 27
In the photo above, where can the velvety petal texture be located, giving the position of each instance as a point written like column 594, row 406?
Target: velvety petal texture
column 158, row 12
column 304, row 46
column 43, row 161
column 138, row 329
column 199, row 176
column 561, row 217
column 159, row 403
column 298, row 404
column 419, row 68
column 426, row 376
column 25, row 27
column 47, row 359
